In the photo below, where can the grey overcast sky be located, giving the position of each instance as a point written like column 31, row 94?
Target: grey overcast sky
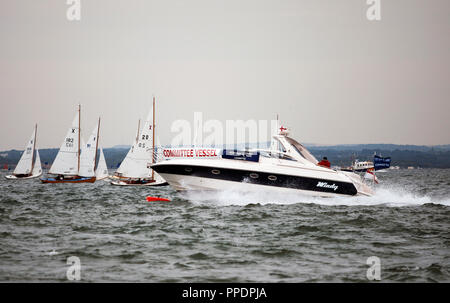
column 333, row 76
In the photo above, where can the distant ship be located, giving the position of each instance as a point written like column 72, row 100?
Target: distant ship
column 359, row 166
column 29, row 165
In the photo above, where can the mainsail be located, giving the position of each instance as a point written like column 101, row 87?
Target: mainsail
column 66, row 161
column 139, row 158
column 102, row 169
column 88, row 155
column 25, row 164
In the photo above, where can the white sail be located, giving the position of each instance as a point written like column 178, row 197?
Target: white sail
column 25, row 162
column 139, row 158
column 102, row 169
column 87, row 157
column 37, row 169
column 66, row 161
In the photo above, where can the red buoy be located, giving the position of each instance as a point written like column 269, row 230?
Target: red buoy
column 153, row 199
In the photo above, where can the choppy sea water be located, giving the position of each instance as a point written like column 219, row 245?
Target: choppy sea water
column 225, row 236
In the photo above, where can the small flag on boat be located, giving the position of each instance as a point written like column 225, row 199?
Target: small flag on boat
column 381, row 163
column 371, row 175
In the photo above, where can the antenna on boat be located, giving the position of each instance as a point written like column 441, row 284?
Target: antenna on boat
column 79, row 135
column 153, row 150
column 34, row 148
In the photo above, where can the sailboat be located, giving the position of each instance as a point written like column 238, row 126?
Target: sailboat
column 119, row 174
column 101, row 172
column 29, row 165
column 72, row 164
column 135, row 168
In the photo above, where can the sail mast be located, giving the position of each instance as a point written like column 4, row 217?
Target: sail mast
column 79, row 135
column 34, row 147
column 137, row 134
column 96, row 146
column 153, row 150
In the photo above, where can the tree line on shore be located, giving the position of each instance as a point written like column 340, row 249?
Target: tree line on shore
column 430, row 157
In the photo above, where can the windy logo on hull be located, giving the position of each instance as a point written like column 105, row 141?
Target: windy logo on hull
column 326, row 185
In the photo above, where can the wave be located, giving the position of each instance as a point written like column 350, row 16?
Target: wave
column 384, row 195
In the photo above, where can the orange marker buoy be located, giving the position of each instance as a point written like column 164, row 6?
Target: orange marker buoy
column 154, row 199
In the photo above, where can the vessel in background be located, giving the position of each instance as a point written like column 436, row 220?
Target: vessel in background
column 29, row 165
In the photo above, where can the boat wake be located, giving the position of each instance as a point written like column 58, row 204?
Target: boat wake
column 384, row 195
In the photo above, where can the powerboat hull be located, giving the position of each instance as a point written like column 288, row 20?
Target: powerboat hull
column 185, row 175
column 188, row 183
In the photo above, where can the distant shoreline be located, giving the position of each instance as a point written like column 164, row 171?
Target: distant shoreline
column 437, row 156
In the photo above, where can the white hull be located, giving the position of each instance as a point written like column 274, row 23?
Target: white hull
column 122, row 183
column 12, row 177
column 190, row 183
column 172, row 171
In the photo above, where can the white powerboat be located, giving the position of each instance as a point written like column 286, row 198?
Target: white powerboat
column 290, row 168
column 359, row 166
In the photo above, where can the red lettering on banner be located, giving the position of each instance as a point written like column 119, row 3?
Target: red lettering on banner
column 192, row 152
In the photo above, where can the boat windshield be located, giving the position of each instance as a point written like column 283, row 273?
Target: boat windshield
column 274, row 154
column 302, row 150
